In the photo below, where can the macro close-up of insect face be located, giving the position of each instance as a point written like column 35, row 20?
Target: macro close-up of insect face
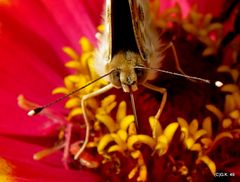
column 126, row 72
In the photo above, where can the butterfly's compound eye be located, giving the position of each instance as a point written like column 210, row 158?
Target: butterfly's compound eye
column 139, row 72
column 115, row 78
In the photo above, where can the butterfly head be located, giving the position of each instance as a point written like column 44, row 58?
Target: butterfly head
column 125, row 73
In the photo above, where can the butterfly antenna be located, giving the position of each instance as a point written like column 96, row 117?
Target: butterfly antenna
column 216, row 83
column 40, row 108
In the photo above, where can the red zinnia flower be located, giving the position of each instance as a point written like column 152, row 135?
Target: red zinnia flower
column 33, row 34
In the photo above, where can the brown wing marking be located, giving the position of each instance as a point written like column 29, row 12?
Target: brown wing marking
column 108, row 29
column 138, row 18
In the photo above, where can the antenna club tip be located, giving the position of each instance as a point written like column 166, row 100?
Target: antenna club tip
column 35, row 111
column 218, row 83
column 31, row 113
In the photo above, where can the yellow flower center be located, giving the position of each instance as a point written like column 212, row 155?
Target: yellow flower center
column 6, row 170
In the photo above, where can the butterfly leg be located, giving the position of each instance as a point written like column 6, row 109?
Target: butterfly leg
column 171, row 45
column 164, row 98
column 85, row 97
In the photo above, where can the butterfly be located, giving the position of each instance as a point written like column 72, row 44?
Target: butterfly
column 129, row 54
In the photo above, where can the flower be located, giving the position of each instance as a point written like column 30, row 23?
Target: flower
column 32, row 63
column 171, row 148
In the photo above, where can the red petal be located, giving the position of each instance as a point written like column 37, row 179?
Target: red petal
column 50, row 169
column 33, row 34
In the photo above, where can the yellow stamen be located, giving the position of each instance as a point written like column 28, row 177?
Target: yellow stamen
column 73, row 65
column 215, row 111
column 189, row 142
column 220, row 137
column 6, row 170
column 105, row 140
column 198, row 134
column 61, row 134
column 73, row 102
column 211, row 165
column 100, row 28
column 110, row 107
column 107, row 121
column 85, row 44
column 226, row 123
column 183, row 123
column 155, row 126
column 162, row 145
column 143, row 139
column 190, row 28
column 183, row 170
column 207, row 126
column 230, row 88
column 125, row 123
column 115, row 148
column 25, row 104
column 230, row 104
column 60, row 90
column 207, row 142
column 135, row 154
column 119, row 141
column 235, row 114
column 74, row 112
column 108, row 100
column 196, row 147
column 121, row 112
column 70, row 52
column 193, row 127
column 47, row 152
column 133, row 172
column 122, row 134
column 142, row 173
column 132, row 129
column 170, row 130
